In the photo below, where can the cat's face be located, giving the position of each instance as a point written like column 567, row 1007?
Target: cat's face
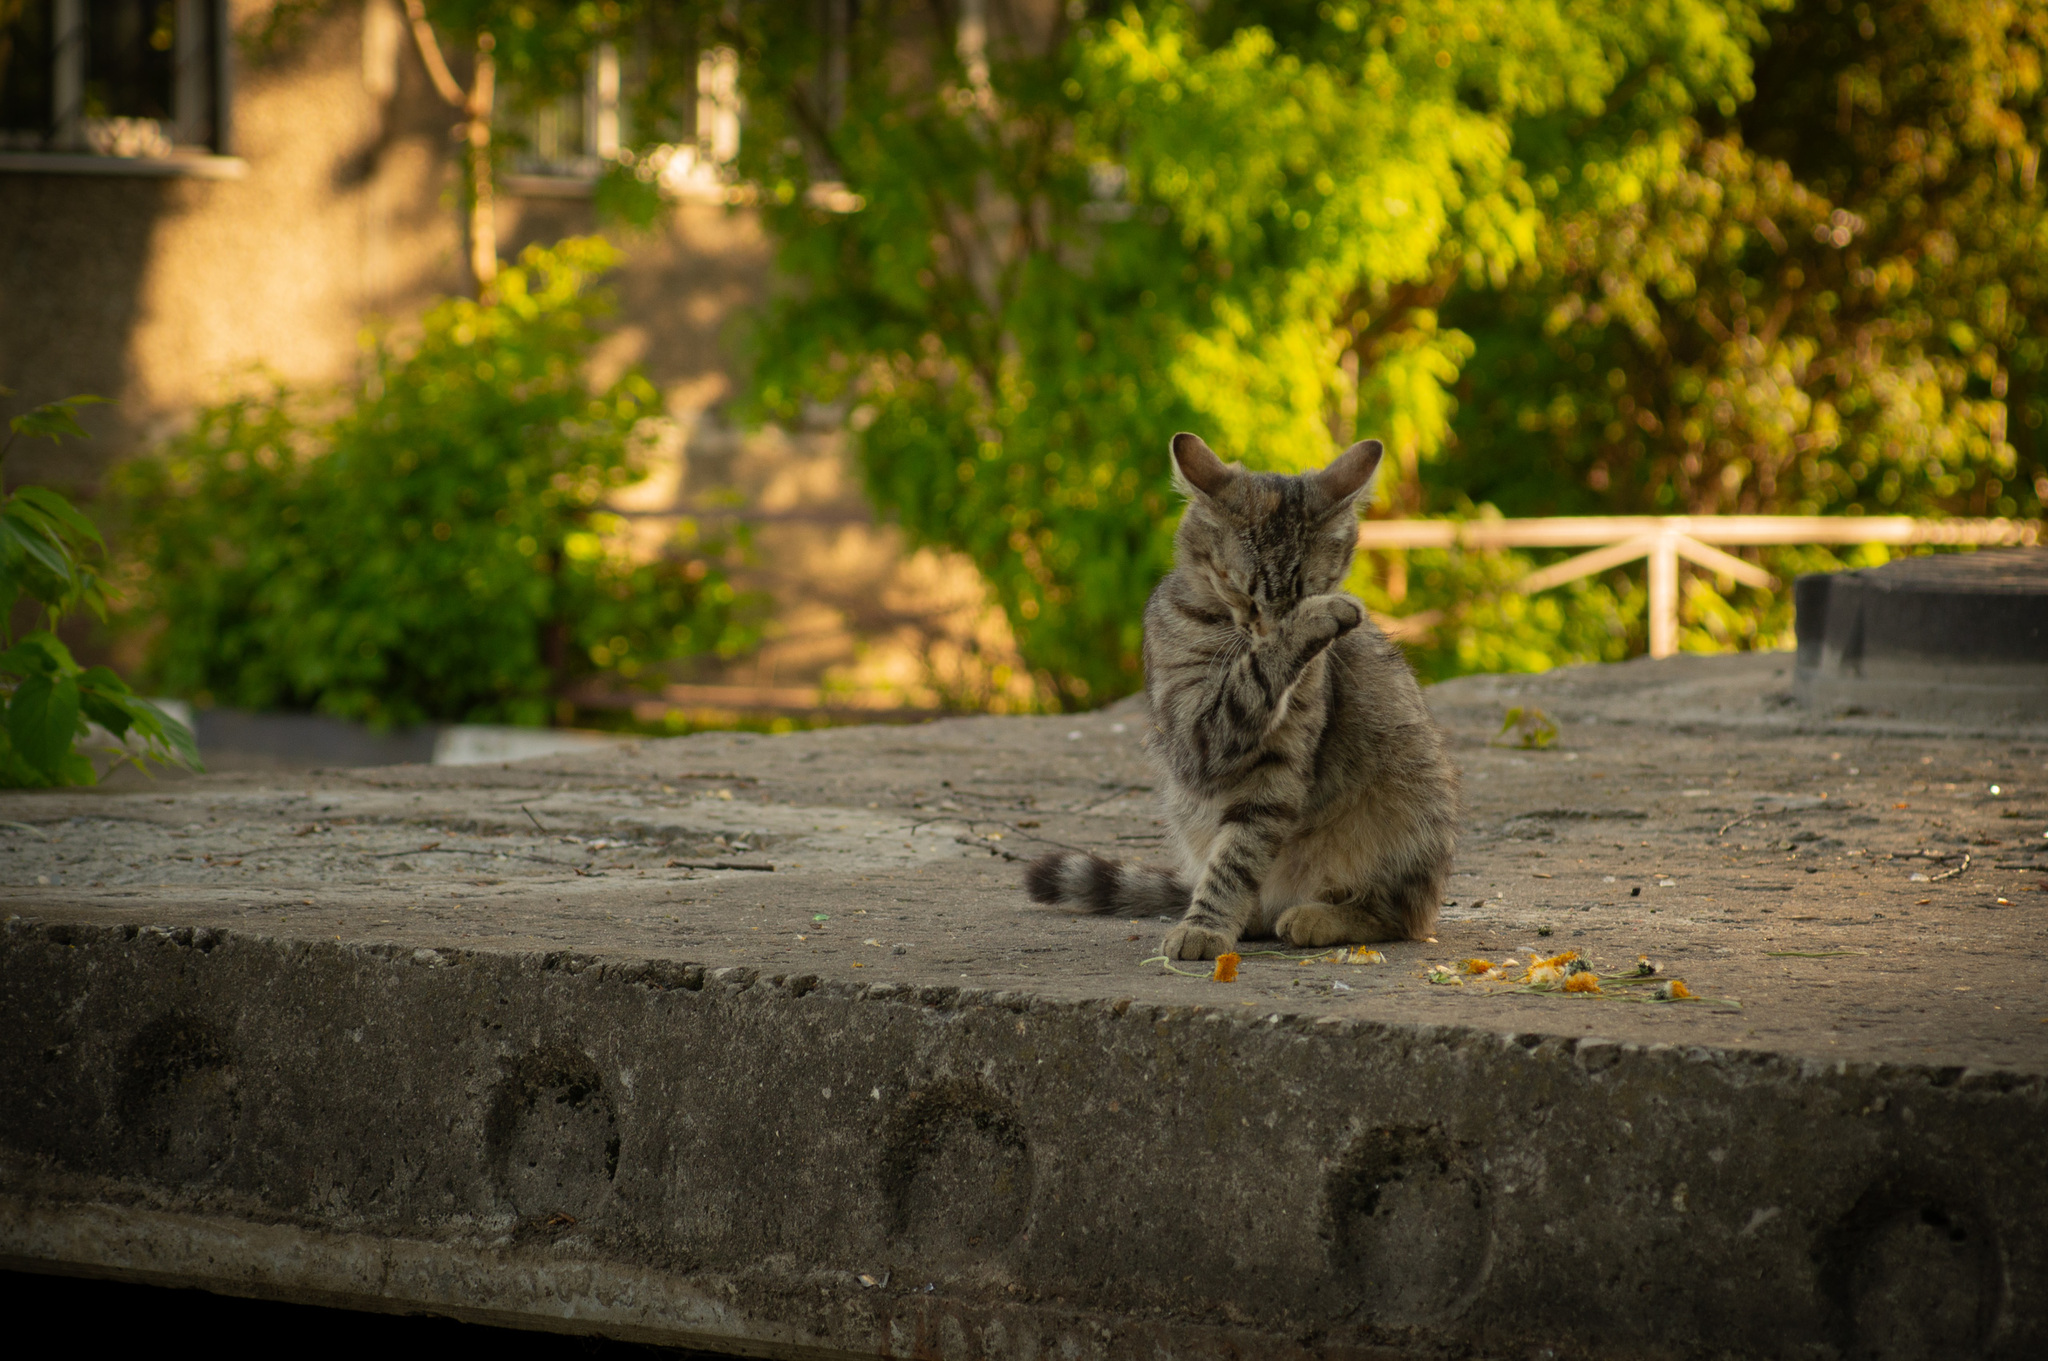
column 1264, row 542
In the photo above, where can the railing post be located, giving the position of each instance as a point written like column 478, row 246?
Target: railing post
column 1664, row 594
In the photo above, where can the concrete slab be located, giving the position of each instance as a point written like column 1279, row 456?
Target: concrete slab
column 548, row 1043
column 1963, row 636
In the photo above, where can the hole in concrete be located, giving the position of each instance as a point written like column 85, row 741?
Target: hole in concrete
column 956, row 1171
column 178, row 1100
column 1411, row 1233
column 552, row 1135
column 1913, row 1272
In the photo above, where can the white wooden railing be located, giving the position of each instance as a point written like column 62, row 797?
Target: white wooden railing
column 1664, row 539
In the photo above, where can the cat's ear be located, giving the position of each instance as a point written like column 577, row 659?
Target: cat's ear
column 1196, row 466
column 1352, row 473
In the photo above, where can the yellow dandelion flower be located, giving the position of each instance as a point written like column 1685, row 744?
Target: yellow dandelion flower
column 1226, row 968
column 1674, row 991
column 1361, row 955
column 1587, row 981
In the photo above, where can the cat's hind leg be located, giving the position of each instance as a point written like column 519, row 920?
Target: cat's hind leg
column 1403, row 908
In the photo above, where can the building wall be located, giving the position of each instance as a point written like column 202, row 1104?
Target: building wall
column 166, row 294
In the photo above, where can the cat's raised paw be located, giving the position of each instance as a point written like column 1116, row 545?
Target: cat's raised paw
column 1346, row 613
column 1314, row 925
column 1330, row 616
column 1195, row 942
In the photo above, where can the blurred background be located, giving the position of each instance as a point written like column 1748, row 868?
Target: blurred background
column 651, row 365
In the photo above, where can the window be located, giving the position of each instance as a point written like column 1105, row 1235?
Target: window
column 572, row 135
column 123, row 78
column 569, row 139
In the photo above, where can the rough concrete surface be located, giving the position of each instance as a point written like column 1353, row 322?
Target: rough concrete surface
column 490, row 1041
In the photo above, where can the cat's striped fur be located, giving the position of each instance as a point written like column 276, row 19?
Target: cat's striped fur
column 1308, row 794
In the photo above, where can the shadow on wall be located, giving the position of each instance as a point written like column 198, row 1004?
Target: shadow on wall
column 74, row 254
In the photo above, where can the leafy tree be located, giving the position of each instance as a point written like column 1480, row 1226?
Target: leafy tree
column 1239, row 218
column 50, row 702
column 1711, row 255
column 1829, row 298
column 545, row 47
column 434, row 545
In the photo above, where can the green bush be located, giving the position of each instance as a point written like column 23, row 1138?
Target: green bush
column 431, row 543
column 47, row 700
column 1237, row 219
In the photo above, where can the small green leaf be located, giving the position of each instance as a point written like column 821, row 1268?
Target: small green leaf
column 29, row 657
column 62, row 511
column 42, row 720
column 48, row 650
column 75, row 768
column 166, row 738
column 26, row 533
column 55, row 420
column 104, row 712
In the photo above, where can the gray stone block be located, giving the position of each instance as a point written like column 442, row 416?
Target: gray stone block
column 1960, row 636
column 807, row 1167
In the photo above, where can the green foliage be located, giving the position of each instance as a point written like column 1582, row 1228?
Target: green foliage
column 1706, row 255
column 1829, row 298
column 435, row 545
column 542, row 47
column 1174, row 217
column 627, row 200
column 51, row 702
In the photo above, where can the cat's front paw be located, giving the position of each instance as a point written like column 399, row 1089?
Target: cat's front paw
column 1312, row 926
column 1196, row 942
column 1344, row 613
column 1326, row 618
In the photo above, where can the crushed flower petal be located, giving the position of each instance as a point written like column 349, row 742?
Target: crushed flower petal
column 1583, row 981
column 1476, row 965
column 1550, row 969
column 1226, row 968
column 1673, row 991
column 1360, row 955
column 1441, row 973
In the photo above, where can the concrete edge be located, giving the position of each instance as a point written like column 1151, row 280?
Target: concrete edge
column 750, row 983
column 286, row 1263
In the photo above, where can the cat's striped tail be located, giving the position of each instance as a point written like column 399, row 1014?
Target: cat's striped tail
column 1088, row 883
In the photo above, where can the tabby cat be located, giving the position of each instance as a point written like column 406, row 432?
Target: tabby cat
column 1307, row 791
